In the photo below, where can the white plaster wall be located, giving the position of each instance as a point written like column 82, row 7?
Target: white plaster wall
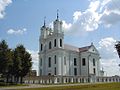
column 84, row 69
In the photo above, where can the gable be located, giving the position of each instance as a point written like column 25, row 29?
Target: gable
column 93, row 49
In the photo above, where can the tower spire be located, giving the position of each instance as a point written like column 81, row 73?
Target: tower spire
column 44, row 21
column 57, row 14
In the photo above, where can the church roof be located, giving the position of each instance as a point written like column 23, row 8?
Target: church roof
column 84, row 49
column 70, row 47
column 74, row 48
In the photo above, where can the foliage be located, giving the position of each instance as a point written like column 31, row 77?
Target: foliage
column 3, row 57
column 22, row 62
column 14, row 63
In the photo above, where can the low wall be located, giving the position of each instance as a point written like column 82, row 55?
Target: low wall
column 68, row 79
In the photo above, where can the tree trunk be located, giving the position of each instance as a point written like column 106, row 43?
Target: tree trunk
column 16, row 79
column 7, row 79
column 21, row 79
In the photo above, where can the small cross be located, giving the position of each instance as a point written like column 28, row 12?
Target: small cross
column 44, row 20
column 57, row 13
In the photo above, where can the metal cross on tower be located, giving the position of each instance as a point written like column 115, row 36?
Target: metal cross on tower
column 44, row 20
column 57, row 14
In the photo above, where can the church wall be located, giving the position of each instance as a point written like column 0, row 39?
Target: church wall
column 59, row 62
column 96, row 65
column 84, row 69
column 72, row 66
column 89, row 64
column 69, row 67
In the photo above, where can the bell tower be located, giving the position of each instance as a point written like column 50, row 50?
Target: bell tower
column 57, row 24
column 43, row 30
column 58, row 32
column 51, row 43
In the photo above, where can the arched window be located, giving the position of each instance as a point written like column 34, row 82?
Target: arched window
column 49, row 62
column 50, row 45
column 75, row 71
column 55, row 43
column 41, row 62
column 55, row 71
column 93, row 62
column 41, row 47
column 55, row 58
column 75, row 62
column 94, row 71
column 60, row 42
column 83, row 62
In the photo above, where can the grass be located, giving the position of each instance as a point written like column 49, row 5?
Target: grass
column 11, row 85
column 105, row 86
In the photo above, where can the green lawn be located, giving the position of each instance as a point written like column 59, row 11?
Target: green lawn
column 108, row 86
column 11, row 85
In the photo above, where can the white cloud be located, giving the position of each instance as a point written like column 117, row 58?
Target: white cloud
column 85, row 21
column 3, row 5
column 66, row 26
column 16, row 32
column 76, row 15
column 34, row 54
column 109, row 56
column 35, row 59
column 110, row 18
column 107, row 42
column 94, row 5
column 99, row 12
column 110, row 12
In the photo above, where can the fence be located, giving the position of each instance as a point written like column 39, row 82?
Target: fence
column 68, row 79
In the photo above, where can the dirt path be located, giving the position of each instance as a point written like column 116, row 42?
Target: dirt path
column 40, row 86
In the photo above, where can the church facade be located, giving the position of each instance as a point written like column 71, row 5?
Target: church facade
column 59, row 59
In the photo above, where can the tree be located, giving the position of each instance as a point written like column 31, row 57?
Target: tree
column 9, row 65
column 117, row 46
column 5, row 60
column 22, row 62
column 14, row 63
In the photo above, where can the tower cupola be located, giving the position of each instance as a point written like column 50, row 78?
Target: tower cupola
column 43, row 29
column 57, row 25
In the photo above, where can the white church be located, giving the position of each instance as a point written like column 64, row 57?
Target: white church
column 63, row 63
column 60, row 59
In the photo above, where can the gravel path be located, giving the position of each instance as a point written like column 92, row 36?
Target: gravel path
column 40, row 86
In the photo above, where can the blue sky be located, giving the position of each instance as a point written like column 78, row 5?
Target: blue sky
column 84, row 21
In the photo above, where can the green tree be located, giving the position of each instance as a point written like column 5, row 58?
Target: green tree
column 22, row 62
column 9, row 65
column 16, row 66
column 5, row 60
column 15, row 62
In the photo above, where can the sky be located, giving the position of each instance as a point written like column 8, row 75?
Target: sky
column 84, row 21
